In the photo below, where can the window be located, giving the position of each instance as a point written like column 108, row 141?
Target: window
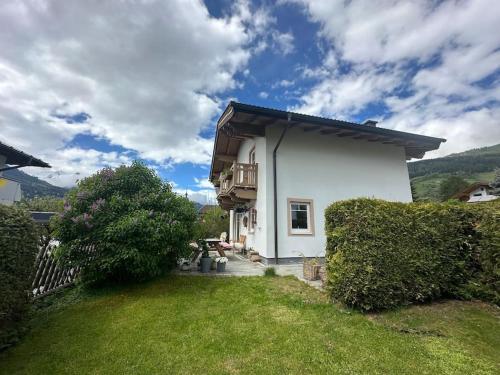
column 300, row 217
column 253, row 219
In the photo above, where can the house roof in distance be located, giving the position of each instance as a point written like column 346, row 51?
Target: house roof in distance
column 465, row 193
column 20, row 158
column 240, row 121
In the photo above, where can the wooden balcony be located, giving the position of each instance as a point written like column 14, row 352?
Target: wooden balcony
column 238, row 185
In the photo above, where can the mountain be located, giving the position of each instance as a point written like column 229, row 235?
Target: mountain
column 32, row 186
column 476, row 165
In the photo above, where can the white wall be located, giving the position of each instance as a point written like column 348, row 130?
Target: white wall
column 327, row 168
column 258, row 239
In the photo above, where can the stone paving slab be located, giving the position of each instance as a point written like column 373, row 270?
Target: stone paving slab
column 238, row 266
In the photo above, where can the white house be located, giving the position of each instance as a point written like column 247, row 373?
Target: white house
column 478, row 192
column 277, row 171
column 11, row 158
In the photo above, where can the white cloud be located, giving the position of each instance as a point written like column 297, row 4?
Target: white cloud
column 149, row 73
column 263, row 95
column 203, row 183
column 432, row 64
column 72, row 164
column 203, row 196
column 284, row 42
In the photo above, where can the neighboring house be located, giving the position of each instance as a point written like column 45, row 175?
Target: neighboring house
column 11, row 158
column 277, row 171
column 478, row 192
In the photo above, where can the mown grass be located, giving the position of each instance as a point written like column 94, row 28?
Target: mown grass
column 254, row 325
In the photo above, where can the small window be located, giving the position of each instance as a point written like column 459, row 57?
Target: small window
column 253, row 219
column 300, row 217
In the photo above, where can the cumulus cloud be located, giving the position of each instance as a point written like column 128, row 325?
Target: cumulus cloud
column 149, row 74
column 433, row 65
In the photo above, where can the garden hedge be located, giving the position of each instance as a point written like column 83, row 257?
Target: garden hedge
column 18, row 249
column 386, row 254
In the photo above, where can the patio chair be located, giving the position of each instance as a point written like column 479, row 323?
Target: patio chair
column 223, row 245
column 240, row 245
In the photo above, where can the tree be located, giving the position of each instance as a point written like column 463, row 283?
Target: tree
column 495, row 184
column 213, row 223
column 414, row 195
column 124, row 224
column 46, row 204
column 450, row 186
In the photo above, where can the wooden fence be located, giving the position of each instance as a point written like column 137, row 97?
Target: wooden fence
column 49, row 276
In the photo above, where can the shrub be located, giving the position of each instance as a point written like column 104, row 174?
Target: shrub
column 385, row 254
column 270, row 272
column 136, row 226
column 18, row 249
column 213, row 223
column 485, row 283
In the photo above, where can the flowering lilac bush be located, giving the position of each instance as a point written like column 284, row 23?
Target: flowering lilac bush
column 124, row 224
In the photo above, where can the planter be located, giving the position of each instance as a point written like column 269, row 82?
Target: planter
column 213, row 266
column 221, row 267
column 205, row 264
column 311, row 271
column 185, row 267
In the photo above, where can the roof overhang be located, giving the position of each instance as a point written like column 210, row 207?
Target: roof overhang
column 17, row 159
column 240, row 121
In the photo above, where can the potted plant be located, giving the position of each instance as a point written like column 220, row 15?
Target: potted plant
column 221, row 264
column 205, row 260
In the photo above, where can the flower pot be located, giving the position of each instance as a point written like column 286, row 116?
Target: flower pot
column 221, row 267
column 205, row 263
column 213, row 266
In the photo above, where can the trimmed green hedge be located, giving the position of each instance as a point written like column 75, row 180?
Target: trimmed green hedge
column 18, row 249
column 386, row 254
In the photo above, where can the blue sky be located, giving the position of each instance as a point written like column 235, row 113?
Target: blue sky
column 148, row 80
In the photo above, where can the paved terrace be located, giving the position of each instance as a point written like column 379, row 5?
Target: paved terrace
column 240, row 266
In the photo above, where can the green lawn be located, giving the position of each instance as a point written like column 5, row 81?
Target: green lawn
column 254, row 325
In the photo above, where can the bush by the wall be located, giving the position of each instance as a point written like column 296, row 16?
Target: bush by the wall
column 18, row 249
column 485, row 281
column 135, row 224
column 385, row 254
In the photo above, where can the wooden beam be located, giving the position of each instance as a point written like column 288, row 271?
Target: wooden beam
column 346, row 134
column 311, row 128
column 330, row 131
column 225, row 157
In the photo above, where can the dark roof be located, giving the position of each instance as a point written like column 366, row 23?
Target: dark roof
column 17, row 157
column 41, row 217
column 470, row 189
column 244, row 120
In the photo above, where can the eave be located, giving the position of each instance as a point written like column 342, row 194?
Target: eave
column 240, row 121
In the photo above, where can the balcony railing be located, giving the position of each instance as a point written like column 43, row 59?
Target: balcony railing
column 240, row 176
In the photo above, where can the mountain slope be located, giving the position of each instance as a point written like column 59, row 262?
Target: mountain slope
column 473, row 165
column 32, row 186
